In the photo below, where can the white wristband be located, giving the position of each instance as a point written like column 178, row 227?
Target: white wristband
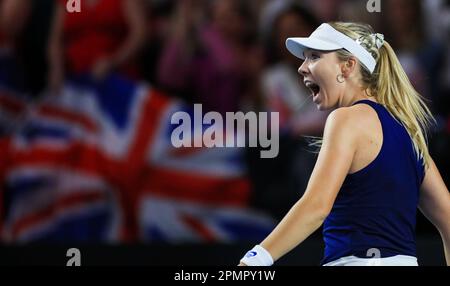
column 258, row 256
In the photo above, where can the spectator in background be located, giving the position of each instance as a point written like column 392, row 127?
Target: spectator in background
column 434, row 12
column 280, row 80
column 283, row 93
column 158, row 27
column 325, row 10
column 420, row 55
column 210, row 60
column 105, row 36
column 13, row 17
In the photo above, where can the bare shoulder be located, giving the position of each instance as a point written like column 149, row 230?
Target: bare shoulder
column 339, row 125
column 348, row 123
column 350, row 117
column 355, row 117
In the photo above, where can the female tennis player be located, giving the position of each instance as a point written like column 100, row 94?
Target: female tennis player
column 373, row 168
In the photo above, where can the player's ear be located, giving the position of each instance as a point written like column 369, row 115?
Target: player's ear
column 348, row 67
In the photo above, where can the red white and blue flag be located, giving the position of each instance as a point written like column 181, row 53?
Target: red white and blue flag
column 95, row 163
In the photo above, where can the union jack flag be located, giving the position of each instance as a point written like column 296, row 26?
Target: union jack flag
column 95, row 163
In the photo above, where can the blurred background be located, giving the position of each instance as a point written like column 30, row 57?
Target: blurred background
column 85, row 105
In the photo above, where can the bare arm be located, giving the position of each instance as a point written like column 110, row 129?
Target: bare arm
column 135, row 17
column 306, row 216
column 435, row 205
column 55, row 50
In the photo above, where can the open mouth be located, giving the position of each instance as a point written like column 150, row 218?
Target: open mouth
column 315, row 89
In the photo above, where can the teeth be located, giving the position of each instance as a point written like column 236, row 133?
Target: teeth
column 315, row 89
column 309, row 83
column 312, row 86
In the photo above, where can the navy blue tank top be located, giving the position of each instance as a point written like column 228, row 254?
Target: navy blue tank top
column 376, row 206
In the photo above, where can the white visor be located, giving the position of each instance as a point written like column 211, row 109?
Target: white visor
column 326, row 38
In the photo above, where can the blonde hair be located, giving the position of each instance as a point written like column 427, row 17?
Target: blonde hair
column 390, row 86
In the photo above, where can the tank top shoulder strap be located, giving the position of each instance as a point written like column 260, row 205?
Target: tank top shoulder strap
column 373, row 104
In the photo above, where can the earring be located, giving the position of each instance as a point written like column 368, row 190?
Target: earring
column 340, row 78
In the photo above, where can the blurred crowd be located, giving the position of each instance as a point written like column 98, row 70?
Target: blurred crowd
column 228, row 55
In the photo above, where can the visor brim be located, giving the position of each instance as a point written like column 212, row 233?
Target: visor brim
column 297, row 46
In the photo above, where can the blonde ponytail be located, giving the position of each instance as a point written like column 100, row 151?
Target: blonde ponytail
column 390, row 85
column 395, row 91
